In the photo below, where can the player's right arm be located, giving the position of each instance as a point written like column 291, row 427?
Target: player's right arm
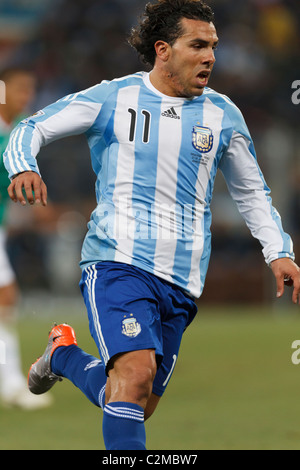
column 72, row 115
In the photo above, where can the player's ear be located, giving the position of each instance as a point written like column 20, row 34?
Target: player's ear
column 163, row 50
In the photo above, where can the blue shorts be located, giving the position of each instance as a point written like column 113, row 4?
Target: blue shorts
column 130, row 309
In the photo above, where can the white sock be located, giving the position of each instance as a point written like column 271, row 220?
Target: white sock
column 11, row 376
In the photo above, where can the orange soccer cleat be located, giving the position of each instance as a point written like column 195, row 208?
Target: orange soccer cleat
column 40, row 376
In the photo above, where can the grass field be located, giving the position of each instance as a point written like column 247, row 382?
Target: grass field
column 234, row 387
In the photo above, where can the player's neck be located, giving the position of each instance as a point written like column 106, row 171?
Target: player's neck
column 160, row 79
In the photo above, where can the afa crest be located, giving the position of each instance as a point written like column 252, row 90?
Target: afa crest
column 203, row 139
column 130, row 327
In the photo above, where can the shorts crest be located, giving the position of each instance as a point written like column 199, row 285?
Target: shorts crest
column 131, row 327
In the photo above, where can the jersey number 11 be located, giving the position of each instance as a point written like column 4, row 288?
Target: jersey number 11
column 147, row 122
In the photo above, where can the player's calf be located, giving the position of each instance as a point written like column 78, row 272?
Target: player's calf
column 131, row 379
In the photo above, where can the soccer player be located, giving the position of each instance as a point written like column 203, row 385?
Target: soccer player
column 19, row 91
column 157, row 140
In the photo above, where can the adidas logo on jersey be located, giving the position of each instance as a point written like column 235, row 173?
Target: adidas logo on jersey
column 171, row 113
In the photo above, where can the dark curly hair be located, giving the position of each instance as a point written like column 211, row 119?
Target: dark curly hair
column 162, row 21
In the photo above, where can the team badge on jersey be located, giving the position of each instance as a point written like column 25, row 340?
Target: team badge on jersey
column 130, row 327
column 203, row 139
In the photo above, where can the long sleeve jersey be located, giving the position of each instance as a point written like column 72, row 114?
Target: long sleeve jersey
column 156, row 159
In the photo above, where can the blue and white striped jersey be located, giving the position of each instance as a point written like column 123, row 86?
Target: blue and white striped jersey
column 156, row 159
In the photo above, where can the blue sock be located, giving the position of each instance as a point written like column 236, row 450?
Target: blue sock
column 84, row 371
column 124, row 427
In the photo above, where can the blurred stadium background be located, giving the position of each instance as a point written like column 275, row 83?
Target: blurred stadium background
column 246, row 392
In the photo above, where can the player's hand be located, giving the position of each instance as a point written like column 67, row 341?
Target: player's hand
column 31, row 184
column 287, row 273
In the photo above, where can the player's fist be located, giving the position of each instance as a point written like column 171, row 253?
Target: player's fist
column 28, row 185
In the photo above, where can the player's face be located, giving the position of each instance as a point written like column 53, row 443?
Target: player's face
column 191, row 58
column 20, row 89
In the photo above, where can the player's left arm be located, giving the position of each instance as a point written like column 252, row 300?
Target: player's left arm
column 248, row 188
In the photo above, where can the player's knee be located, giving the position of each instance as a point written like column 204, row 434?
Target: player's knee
column 132, row 377
column 140, row 381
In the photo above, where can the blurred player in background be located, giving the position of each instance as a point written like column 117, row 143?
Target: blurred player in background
column 20, row 91
column 156, row 140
